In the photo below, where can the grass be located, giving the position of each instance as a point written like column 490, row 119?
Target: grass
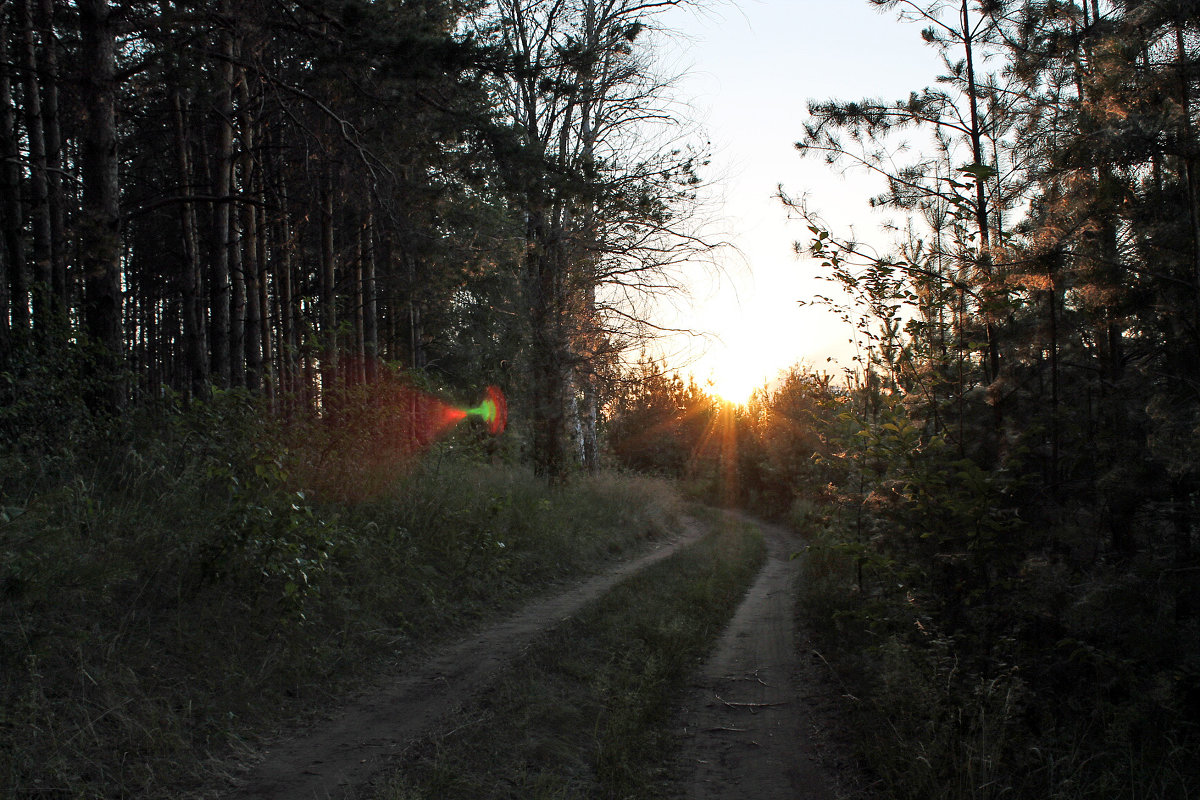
column 586, row 713
column 171, row 589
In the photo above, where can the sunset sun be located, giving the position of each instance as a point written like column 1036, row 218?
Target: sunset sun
column 737, row 376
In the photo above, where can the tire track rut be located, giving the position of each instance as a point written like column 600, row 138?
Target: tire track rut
column 746, row 728
column 335, row 758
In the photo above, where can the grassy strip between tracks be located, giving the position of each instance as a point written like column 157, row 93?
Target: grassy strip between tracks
column 586, row 712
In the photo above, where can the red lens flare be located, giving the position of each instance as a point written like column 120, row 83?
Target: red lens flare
column 497, row 419
column 434, row 417
column 377, row 428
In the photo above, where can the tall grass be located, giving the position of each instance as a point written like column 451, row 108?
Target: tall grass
column 171, row 587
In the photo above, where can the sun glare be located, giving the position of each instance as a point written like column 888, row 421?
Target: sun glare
column 737, row 378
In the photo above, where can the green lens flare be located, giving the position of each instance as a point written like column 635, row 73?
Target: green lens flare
column 486, row 409
column 493, row 410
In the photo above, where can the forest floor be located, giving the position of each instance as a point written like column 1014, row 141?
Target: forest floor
column 759, row 720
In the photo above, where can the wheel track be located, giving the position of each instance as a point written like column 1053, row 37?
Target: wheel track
column 746, row 728
column 334, row 758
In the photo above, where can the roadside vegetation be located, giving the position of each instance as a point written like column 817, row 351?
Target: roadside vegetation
column 172, row 586
column 586, row 713
column 989, row 644
column 1003, row 484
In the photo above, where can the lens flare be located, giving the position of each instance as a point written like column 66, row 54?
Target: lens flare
column 379, row 429
column 434, row 418
column 452, row 416
column 493, row 410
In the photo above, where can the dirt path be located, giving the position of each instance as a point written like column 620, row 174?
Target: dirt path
column 748, row 726
column 338, row 756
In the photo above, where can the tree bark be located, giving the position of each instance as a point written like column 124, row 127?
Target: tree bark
column 223, row 168
column 289, row 346
column 264, row 296
column 370, row 305
column 329, row 344
column 39, row 191
column 549, row 380
column 356, row 369
column 194, row 355
column 251, row 267
column 416, row 335
column 100, row 224
column 16, row 288
column 237, row 311
column 60, row 299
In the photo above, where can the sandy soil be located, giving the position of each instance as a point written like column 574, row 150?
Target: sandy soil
column 336, row 757
column 760, row 721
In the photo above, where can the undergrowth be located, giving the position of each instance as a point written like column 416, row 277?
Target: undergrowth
column 585, row 714
column 172, row 586
column 1061, row 705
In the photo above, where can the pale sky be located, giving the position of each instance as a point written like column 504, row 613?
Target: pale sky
column 752, row 67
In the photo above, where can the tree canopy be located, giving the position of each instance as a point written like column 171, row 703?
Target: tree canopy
column 289, row 197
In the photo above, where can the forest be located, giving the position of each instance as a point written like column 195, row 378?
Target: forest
column 327, row 326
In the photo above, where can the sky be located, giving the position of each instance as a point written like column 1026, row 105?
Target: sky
column 751, row 66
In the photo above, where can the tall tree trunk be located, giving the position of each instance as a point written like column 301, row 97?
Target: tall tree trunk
column 329, row 344
column 991, row 292
column 360, row 344
column 289, row 345
column 100, row 228
column 60, row 301
column 237, row 311
column 981, row 202
column 544, row 281
column 16, row 288
column 264, row 294
column 1055, row 399
column 151, row 341
column 38, row 187
column 222, row 172
column 589, row 413
column 1191, row 167
column 370, row 305
column 195, row 357
column 416, row 335
column 250, row 262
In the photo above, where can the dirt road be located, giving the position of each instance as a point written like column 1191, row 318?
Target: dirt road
column 337, row 757
column 749, row 731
